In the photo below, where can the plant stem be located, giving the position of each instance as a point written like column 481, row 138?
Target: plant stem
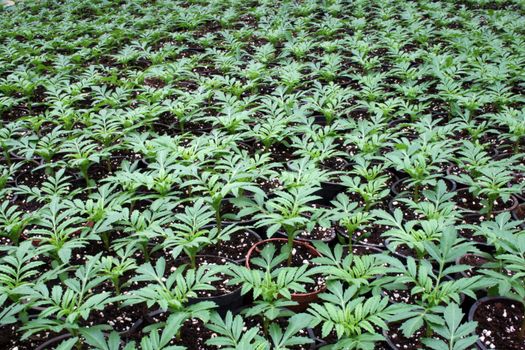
column 266, row 326
column 218, row 219
column 193, row 261
column 350, row 243
column 490, row 206
column 116, row 284
column 290, row 248
column 416, row 193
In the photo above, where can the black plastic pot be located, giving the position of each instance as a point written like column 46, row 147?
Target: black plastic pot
column 225, row 302
column 469, row 212
column 230, row 221
column 297, row 238
column 519, row 214
column 247, row 230
column 53, row 342
column 396, row 186
column 341, row 231
column 328, row 192
column 468, row 302
column 477, row 304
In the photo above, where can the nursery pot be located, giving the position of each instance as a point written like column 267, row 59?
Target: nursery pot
column 250, row 232
column 511, row 205
column 390, row 343
column 328, row 192
column 328, row 239
column 53, row 342
column 302, row 299
column 490, row 300
column 396, row 189
column 225, row 302
column 519, row 214
column 342, row 232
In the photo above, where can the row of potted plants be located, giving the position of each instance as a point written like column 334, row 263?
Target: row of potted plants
column 262, row 175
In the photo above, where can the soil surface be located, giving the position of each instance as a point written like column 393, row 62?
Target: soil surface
column 499, row 324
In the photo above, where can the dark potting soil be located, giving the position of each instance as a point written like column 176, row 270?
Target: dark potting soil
column 466, row 200
column 405, row 251
column 278, row 151
column 402, row 187
column 121, row 319
column 499, row 324
column 473, row 260
column 29, row 206
column 221, row 286
column 401, row 295
column 371, row 235
column 10, row 338
column 469, row 235
column 235, row 248
column 269, row 185
column 402, row 342
column 408, row 213
column 361, row 250
column 335, row 163
column 31, row 178
column 5, row 241
column 317, row 233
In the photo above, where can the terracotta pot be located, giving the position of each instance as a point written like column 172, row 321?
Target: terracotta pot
column 303, row 299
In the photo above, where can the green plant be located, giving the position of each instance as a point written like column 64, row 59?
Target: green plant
column 64, row 306
column 270, row 284
column 58, row 230
column 430, row 290
column 13, row 221
column 115, row 268
column 458, row 336
column 172, row 292
column 193, row 230
column 217, row 186
column 493, row 184
column 230, row 330
column 351, row 217
column 287, row 211
column 342, row 265
column 353, row 319
column 144, row 226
